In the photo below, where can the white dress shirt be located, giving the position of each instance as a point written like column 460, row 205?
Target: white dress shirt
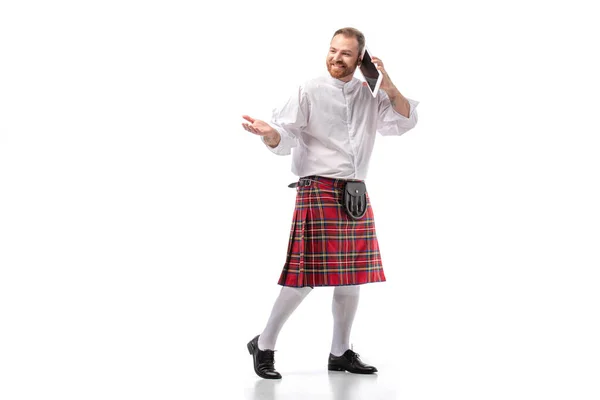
column 330, row 126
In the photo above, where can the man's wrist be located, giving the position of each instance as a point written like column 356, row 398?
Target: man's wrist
column 396, row 98
column 272, row 140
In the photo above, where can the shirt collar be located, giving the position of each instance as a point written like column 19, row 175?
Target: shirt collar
column 341, row 84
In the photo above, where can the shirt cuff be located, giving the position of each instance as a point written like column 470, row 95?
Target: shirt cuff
column 282, row 148
column 413, row 105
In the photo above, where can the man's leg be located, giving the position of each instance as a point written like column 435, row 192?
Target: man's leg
column 342, row 358
column 345, row 303
column 262, row 346
column 288, row 300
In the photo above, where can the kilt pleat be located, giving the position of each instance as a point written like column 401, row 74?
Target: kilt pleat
column 326, row 247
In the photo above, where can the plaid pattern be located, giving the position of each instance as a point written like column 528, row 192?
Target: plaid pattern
column 326, row 246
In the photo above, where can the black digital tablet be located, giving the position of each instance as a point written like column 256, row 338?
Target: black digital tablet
column 369, row 71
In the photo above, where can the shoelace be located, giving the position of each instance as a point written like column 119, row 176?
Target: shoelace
column 267, row 358
column 354, row 355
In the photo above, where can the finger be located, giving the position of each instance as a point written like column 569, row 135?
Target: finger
column 248, row 118
column 251, row 129
column 378, row 62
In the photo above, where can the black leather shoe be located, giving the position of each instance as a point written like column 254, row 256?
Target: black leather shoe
column 264, row 360
column 349, row 361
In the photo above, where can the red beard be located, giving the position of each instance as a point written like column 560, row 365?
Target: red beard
column 339, row 72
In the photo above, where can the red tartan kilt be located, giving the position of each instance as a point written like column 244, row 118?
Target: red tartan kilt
column 326, row 246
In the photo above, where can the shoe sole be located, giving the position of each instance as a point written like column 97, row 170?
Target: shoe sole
column 336, row 368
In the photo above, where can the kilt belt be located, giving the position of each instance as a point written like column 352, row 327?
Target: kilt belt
column 355, row 196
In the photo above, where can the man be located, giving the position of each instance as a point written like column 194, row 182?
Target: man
column 331, row 124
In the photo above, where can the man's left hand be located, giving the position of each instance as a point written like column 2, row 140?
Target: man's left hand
column 386, row 83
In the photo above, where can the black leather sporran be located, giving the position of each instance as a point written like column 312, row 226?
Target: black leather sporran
column 355, row 199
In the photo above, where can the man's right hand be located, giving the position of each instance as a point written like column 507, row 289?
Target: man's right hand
column 261, row 128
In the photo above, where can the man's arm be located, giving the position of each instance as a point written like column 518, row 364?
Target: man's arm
column 399, row 102
column 281, row 134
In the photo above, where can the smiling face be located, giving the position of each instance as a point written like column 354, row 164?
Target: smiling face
column 343, row 57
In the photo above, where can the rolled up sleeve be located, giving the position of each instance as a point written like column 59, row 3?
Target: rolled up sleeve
column 289, row 121
column 391, row 122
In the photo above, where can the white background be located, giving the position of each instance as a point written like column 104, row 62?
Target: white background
column 142, row 230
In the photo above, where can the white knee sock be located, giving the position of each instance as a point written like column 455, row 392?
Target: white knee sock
column 345, row 303
column 289, row 298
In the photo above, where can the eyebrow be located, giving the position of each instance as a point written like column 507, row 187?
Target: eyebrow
column 333, row 48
